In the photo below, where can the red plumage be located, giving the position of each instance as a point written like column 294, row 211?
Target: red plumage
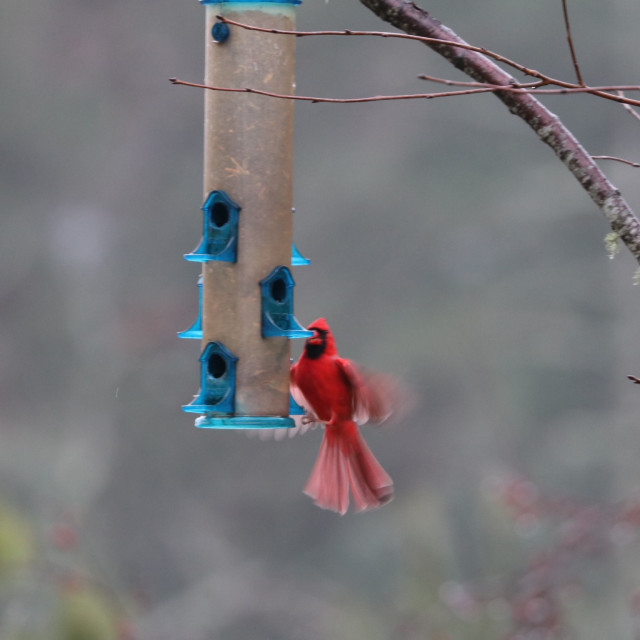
column 335, row 392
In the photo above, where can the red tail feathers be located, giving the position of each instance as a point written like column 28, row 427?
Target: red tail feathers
column 345, row 463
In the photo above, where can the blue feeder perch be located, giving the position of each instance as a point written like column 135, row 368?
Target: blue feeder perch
column 277, row 306
column 195, row 330
column 220, row 230
column 217, row 382
column 294, row 408
column 297, row 259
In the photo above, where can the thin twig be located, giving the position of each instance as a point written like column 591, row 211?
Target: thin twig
column 314, row 99
column 574, row 58
column 601, row 92
column 631, row 164
column 403, row 36
column 477, row 87
column 541, row 87
column 633, row 112
column 460, row 83
column 407, row 16
column 476, row 62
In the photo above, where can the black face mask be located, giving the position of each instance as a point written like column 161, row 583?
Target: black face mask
column 314, row 350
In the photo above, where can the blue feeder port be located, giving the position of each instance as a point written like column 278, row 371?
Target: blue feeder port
column 217, row 382
column 297, row 259
column 277, row 306
column 294, row 408
column 216, row 398
column 220, row 230
column 194, row 332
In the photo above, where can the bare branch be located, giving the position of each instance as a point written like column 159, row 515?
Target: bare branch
column 633, row 112
column 403, row 36
column 541, row 87
column 567, row 27
column 601, row 92
column 631, row 164
column 315, row 99
column 475, row 87
column 477, row 63
column 459, row 83
column 408, row 17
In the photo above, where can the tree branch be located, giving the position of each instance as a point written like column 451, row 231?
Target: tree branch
column 474, row 87
column 635, row 114
column 315, row 99
column 408, row 17
column 543, row 79
column 574, row 58
column 629, row 162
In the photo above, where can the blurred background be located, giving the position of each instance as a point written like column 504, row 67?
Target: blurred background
column 448, row 246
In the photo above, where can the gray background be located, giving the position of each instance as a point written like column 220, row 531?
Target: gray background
column 448, row 246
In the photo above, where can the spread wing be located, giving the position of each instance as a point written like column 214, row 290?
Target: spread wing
column 374, row 394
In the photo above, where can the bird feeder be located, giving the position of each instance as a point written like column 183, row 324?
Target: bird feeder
column 245, row 318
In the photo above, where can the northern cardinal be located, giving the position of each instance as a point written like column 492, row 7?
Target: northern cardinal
column 336, row 393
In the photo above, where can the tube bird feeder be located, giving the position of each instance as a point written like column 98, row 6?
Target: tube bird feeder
column 245, row 318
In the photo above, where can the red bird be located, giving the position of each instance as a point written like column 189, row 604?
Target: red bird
column 336, row 393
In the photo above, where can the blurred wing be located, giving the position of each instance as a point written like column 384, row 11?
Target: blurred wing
column 374, row 394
